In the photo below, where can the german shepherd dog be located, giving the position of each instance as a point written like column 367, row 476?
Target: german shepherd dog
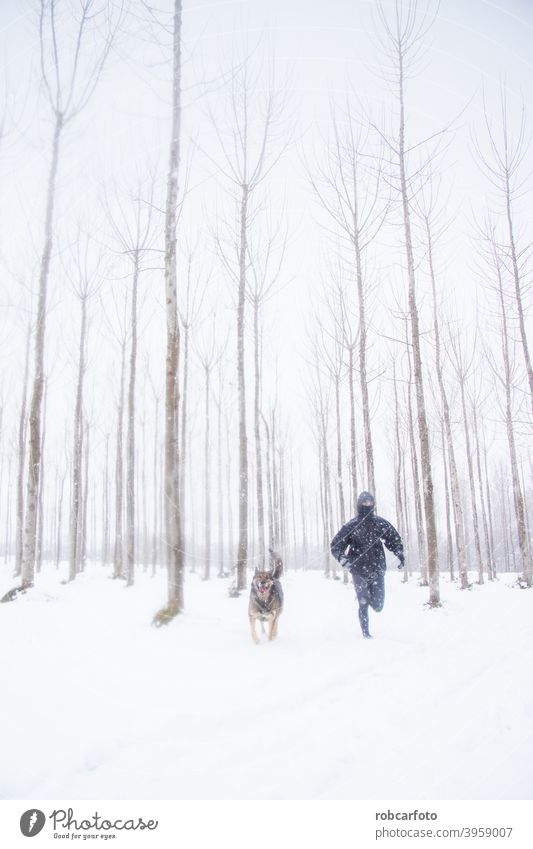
column 266, row 597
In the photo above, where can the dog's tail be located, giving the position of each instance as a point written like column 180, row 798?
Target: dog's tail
column 276, row 564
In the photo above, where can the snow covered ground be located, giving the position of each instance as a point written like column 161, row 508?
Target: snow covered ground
column 97, row 704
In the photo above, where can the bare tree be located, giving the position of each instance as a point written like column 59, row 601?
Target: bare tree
column 173, row 508
column 404, row 31
column 335, row 339
column 426, row 203
column 22, row 429
column 462, row 371
column 68, row 87
column 266, row 260
column 105, row 503
column 346, row 332
column 506, row 379
column 350, row 190
column 475, row 406
column 85, row 278
column 133, row 230
column 40, row 497
column 209, row 357
column 399, row 453
column 248, row 156
column 503, row 165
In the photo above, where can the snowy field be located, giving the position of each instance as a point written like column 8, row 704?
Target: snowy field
column 97, row 704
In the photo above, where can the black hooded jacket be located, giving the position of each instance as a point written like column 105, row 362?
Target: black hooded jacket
column 359, row 543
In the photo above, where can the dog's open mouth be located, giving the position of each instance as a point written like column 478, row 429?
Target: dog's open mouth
column 263, row 589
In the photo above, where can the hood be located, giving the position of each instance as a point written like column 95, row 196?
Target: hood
column 365, row 503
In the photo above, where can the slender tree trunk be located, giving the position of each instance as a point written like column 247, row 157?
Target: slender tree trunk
column 34, row 464
column 7, row 541
column 481, row 494
column 75, row 506
column 275, row 488
column 408, row 536
column 492, row 561
column 130, row 466
column 184, row 411
column 283, row 499
column 342, row 508
column 399, row 463
column 504, row 531
column 220, row 482
column 363, row 381
column 327, row 493
column 454, row 477
column 353, row 441
column 242, row 552
column 144, row 490
column 293, row 511
column 303, row 520
column 423, row 432
column 60, row 521
column 156, row 490
column 257, row 434
column 40, row 518
column 229, row 493
column 173, row 518
column 118, row 554
column 105, row 504
column 271, row 540
column 323, row 510
column 518, row 290
column 449, row 540
column 85, row 502
column 527, row 576
column 416, row 486
column 207, row 463
column 470, row 467
column 22, row 458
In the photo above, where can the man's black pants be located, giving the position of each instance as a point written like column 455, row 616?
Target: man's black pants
column 370, row 591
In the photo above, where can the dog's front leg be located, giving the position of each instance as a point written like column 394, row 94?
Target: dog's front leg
column 272, row 628
column 255, row 638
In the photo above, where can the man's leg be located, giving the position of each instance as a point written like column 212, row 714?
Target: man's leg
column 376, row 591
column 363, row 597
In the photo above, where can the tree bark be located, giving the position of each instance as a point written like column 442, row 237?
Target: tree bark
column 242, row 550
column 34, row 464
column 523, row 542
column 22, row 429
column 257, row 435
column 118, row 554
column 77, row 447
column 130, row 451
column 207, row 486
column 173, row 518
column 423, row 431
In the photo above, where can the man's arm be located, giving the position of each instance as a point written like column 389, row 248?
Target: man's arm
column 341, row 541
column 392, row 540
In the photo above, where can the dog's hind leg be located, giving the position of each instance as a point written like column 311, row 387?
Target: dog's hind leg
column 255, row 638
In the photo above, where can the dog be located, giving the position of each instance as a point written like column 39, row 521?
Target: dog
column 266, row 598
